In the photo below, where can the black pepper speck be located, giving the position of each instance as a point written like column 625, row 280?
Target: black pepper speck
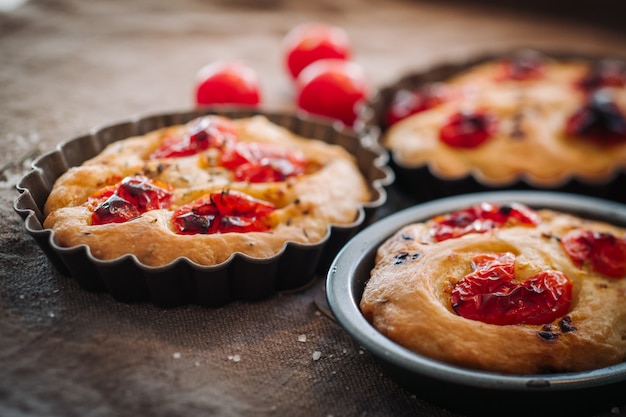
column 566, row 325
column 404, row 257
column 548, row 336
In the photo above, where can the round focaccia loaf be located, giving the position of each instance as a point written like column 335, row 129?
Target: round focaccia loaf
column 408, row 299
column 531, row 141
column 330, row 192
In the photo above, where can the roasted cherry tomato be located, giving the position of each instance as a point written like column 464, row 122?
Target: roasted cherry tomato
column 222, row 212
column 604, row 252
column 490, row 293
column 310, row 42
column 481, row 218
column 599, row 120
column 129, row 199
column 201, row 134
column 523, row 66
column 469, row 129
column 257, row 162
column 604, row 73
column 332, row 88
column 408, row 102
column 227, row 83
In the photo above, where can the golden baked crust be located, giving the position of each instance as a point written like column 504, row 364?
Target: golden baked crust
column 530, row 143
column 329, row 193
column 409, row 302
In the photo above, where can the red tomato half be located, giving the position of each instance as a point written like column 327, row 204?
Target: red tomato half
column 491, row 293
column 469, row 129
column 310, row 42
column 332, row 88
column 223, row 212
column 227, row 83
column 606, row 253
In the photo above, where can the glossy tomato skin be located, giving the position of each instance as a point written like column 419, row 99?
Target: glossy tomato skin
column 222, row 212
column 226, row 82
column 491, row 293
column 332, row 88
column 312, row 41
column 605, row 252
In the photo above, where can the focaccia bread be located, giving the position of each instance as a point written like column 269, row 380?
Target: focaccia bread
column 504, row 288
column 204, row 191
column 527, row 117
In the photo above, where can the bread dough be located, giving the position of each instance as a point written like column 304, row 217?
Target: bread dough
column 409, row 302
column 331, row 192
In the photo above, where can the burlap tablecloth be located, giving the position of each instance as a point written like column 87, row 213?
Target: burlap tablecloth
column 67, row 66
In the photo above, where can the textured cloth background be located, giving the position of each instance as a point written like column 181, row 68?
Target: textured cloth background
column 67, row 66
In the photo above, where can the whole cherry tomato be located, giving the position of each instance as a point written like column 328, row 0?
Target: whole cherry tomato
column 225, row 82
column 332, row 88
column 310, row 42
